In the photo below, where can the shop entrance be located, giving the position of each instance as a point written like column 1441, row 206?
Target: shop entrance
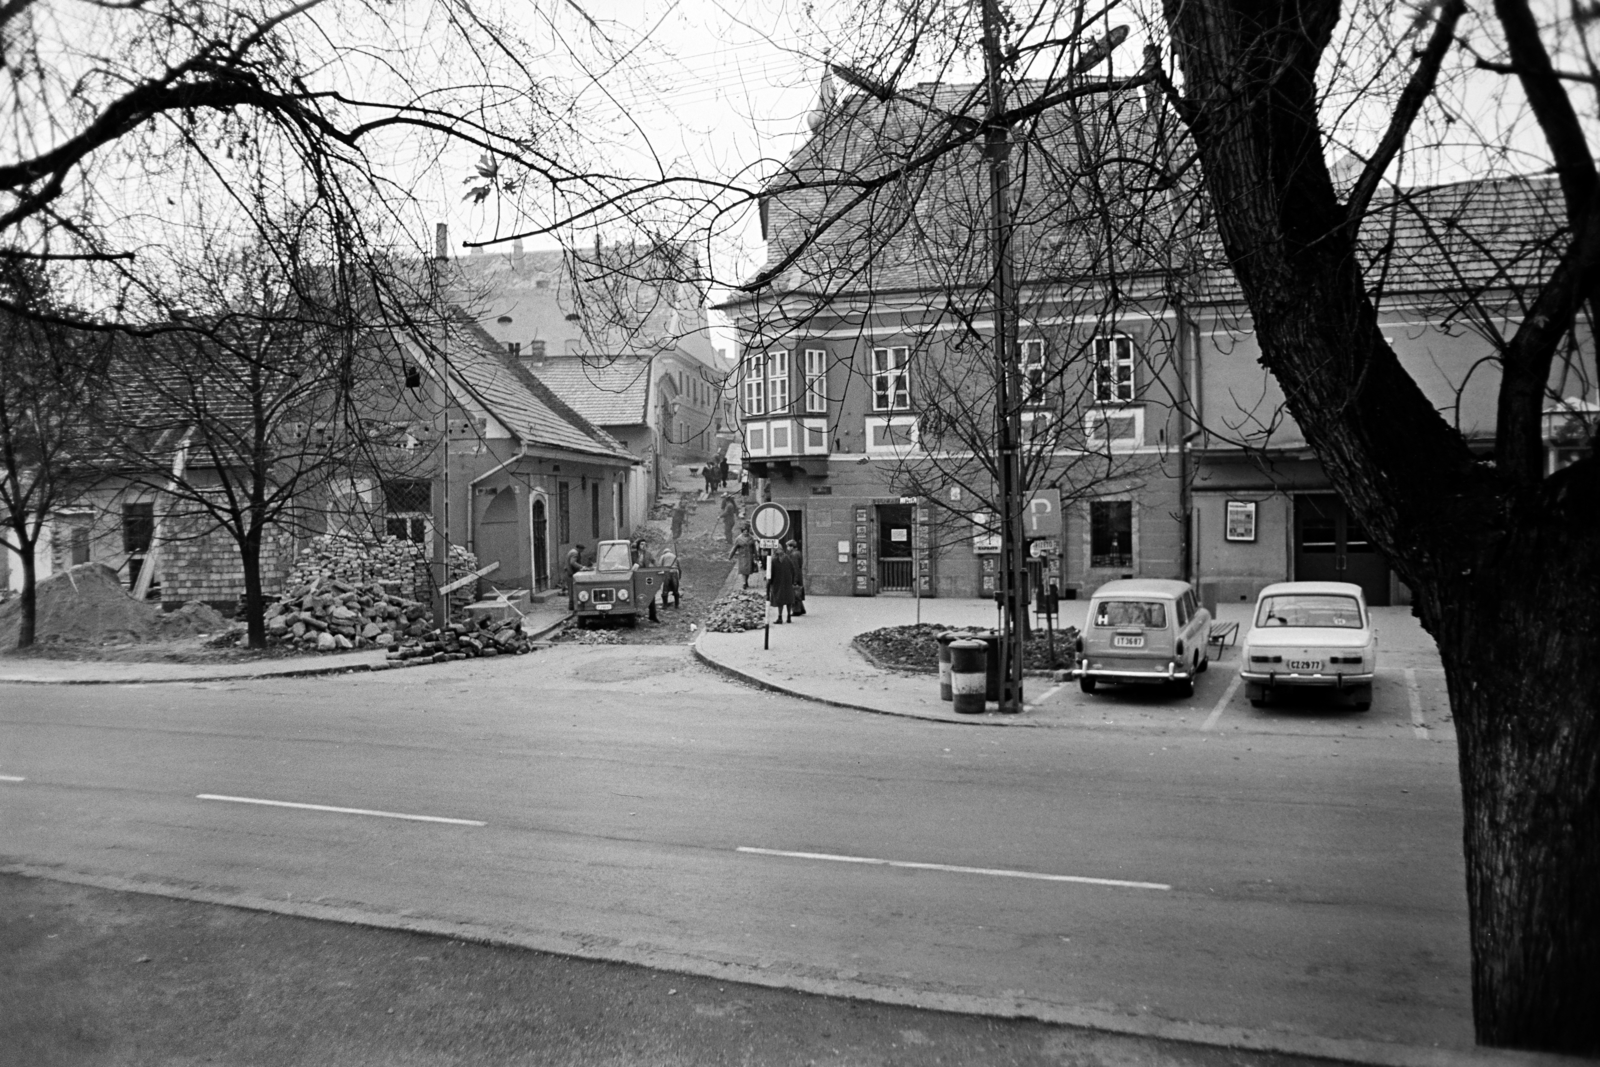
column 1331, row 545
column 895, row 563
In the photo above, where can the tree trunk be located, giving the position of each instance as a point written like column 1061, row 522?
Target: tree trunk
column 1518, row 644
column 254, row 606
column 28, row 629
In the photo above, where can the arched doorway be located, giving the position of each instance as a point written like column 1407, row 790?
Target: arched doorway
column 499, row 541
column 540, row 529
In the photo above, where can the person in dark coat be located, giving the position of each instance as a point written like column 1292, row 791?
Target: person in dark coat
column 722, row 471
column 574, row 565
column 744, row 550
column 679, row 514
column 780, row 587
column 797, row 564
column 730, row 515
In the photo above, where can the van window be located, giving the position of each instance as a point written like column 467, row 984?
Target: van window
column 1150, row 614
column 1182, row 606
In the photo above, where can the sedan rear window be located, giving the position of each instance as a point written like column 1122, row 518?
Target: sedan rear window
column 1310, row 609
column 1150, row 614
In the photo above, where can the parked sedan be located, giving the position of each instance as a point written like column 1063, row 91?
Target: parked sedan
column 1310, row 635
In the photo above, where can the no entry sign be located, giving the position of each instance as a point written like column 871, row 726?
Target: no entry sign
column 770, row 522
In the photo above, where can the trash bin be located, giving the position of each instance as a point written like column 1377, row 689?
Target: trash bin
column 967, row 676
column 944, row 640
column 991, row 641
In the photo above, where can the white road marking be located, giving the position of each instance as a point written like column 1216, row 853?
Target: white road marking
column 340, row 811
column 1227, row 695
column 996, row 872
column 1048, row 693
column 11, row 778
column 1419, row 724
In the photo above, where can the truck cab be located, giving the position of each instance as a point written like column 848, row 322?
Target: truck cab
column 614, row 588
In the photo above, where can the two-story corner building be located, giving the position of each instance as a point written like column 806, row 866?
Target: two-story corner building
column 1459, row 260
column 867, row 377
column 620, row 335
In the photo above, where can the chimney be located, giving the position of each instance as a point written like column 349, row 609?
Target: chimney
column 516, row 247
column 441, row 241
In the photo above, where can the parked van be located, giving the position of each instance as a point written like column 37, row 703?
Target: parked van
column 1144, row 630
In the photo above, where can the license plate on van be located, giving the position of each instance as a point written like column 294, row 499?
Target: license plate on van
column 1124, row 641
column 1304, row 665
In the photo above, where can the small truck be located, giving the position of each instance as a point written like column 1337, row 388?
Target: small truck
column 615, row 588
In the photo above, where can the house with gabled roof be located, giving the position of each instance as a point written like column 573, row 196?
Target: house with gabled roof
column 619, row 334
column 1450, row 269
column 520, row 475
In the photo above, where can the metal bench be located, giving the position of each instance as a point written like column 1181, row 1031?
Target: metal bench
column 1223, row 634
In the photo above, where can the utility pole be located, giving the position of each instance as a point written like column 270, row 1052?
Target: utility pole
column 1008, row 373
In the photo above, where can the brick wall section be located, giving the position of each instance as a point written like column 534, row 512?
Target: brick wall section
column 208, row 568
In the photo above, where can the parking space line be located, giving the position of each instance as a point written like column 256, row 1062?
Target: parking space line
column 11, row 778
column 1419, row 724
column 340, row 811
column 1227, row 695
column 994, row 872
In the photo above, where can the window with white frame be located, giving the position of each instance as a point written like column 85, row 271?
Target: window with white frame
column 1117, row 428
column 1030, row 358
column 816, row 381
column 755, row 384
column 1113, row 368
column 891, row 379
column 896, row 435
column 778, row 382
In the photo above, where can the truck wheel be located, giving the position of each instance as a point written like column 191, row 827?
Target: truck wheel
column 1086, row 684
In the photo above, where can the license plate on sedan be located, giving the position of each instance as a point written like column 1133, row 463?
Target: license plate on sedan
column 1124, row 641
column 1304, row 665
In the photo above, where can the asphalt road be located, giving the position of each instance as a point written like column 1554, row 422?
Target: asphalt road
column 1273, row 888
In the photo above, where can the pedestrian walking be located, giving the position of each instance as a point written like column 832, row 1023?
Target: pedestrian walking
column 744, row 481
column 680, row 512
column 744, row 552
column 722, row 471
column 710, row 473
column 780, row 586
column 730, row 515
column 797, row 564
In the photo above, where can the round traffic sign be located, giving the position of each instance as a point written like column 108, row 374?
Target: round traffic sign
column 770, row 521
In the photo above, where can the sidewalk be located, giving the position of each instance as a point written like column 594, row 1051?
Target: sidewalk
column 813, row 658
column 541, row 620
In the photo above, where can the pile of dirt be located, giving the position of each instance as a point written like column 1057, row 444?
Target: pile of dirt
column 87, row 605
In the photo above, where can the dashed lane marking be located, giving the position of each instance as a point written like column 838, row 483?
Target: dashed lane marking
column 340, row 811
column 11, row 778
column 993, row 872
column 1227, row 695
column 1419, row 724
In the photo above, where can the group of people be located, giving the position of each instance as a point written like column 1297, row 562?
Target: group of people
column 716, row 474
column 786, row 587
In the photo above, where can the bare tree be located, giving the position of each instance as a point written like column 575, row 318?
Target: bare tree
column 256, row 408
column 1502, row 555
column 50, row 378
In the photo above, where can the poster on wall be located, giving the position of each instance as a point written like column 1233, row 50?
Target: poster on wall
column 1241, row 520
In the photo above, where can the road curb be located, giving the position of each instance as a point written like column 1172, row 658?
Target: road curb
column 806, row 979
column 987, row 719
column 299, row 672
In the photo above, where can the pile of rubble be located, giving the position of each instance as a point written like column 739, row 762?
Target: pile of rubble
column 735, row 612
column 398, row 564
column 333, row 615
column 461, row 640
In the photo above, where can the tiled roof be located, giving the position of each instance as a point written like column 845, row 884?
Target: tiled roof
column 526, row 406
column 607, row 394
column 1455, row 241
column 928, row 229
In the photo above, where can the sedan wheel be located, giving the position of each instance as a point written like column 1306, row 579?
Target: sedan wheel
column 1086, row 684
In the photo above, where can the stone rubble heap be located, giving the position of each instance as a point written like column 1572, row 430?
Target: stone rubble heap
column 461, row 640
column 737, row 611
column 356, row 560
column 332, row 615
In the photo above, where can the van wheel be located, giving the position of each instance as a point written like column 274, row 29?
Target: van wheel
column 1205, row 664
column 1086, row 684
column 1184, row 687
